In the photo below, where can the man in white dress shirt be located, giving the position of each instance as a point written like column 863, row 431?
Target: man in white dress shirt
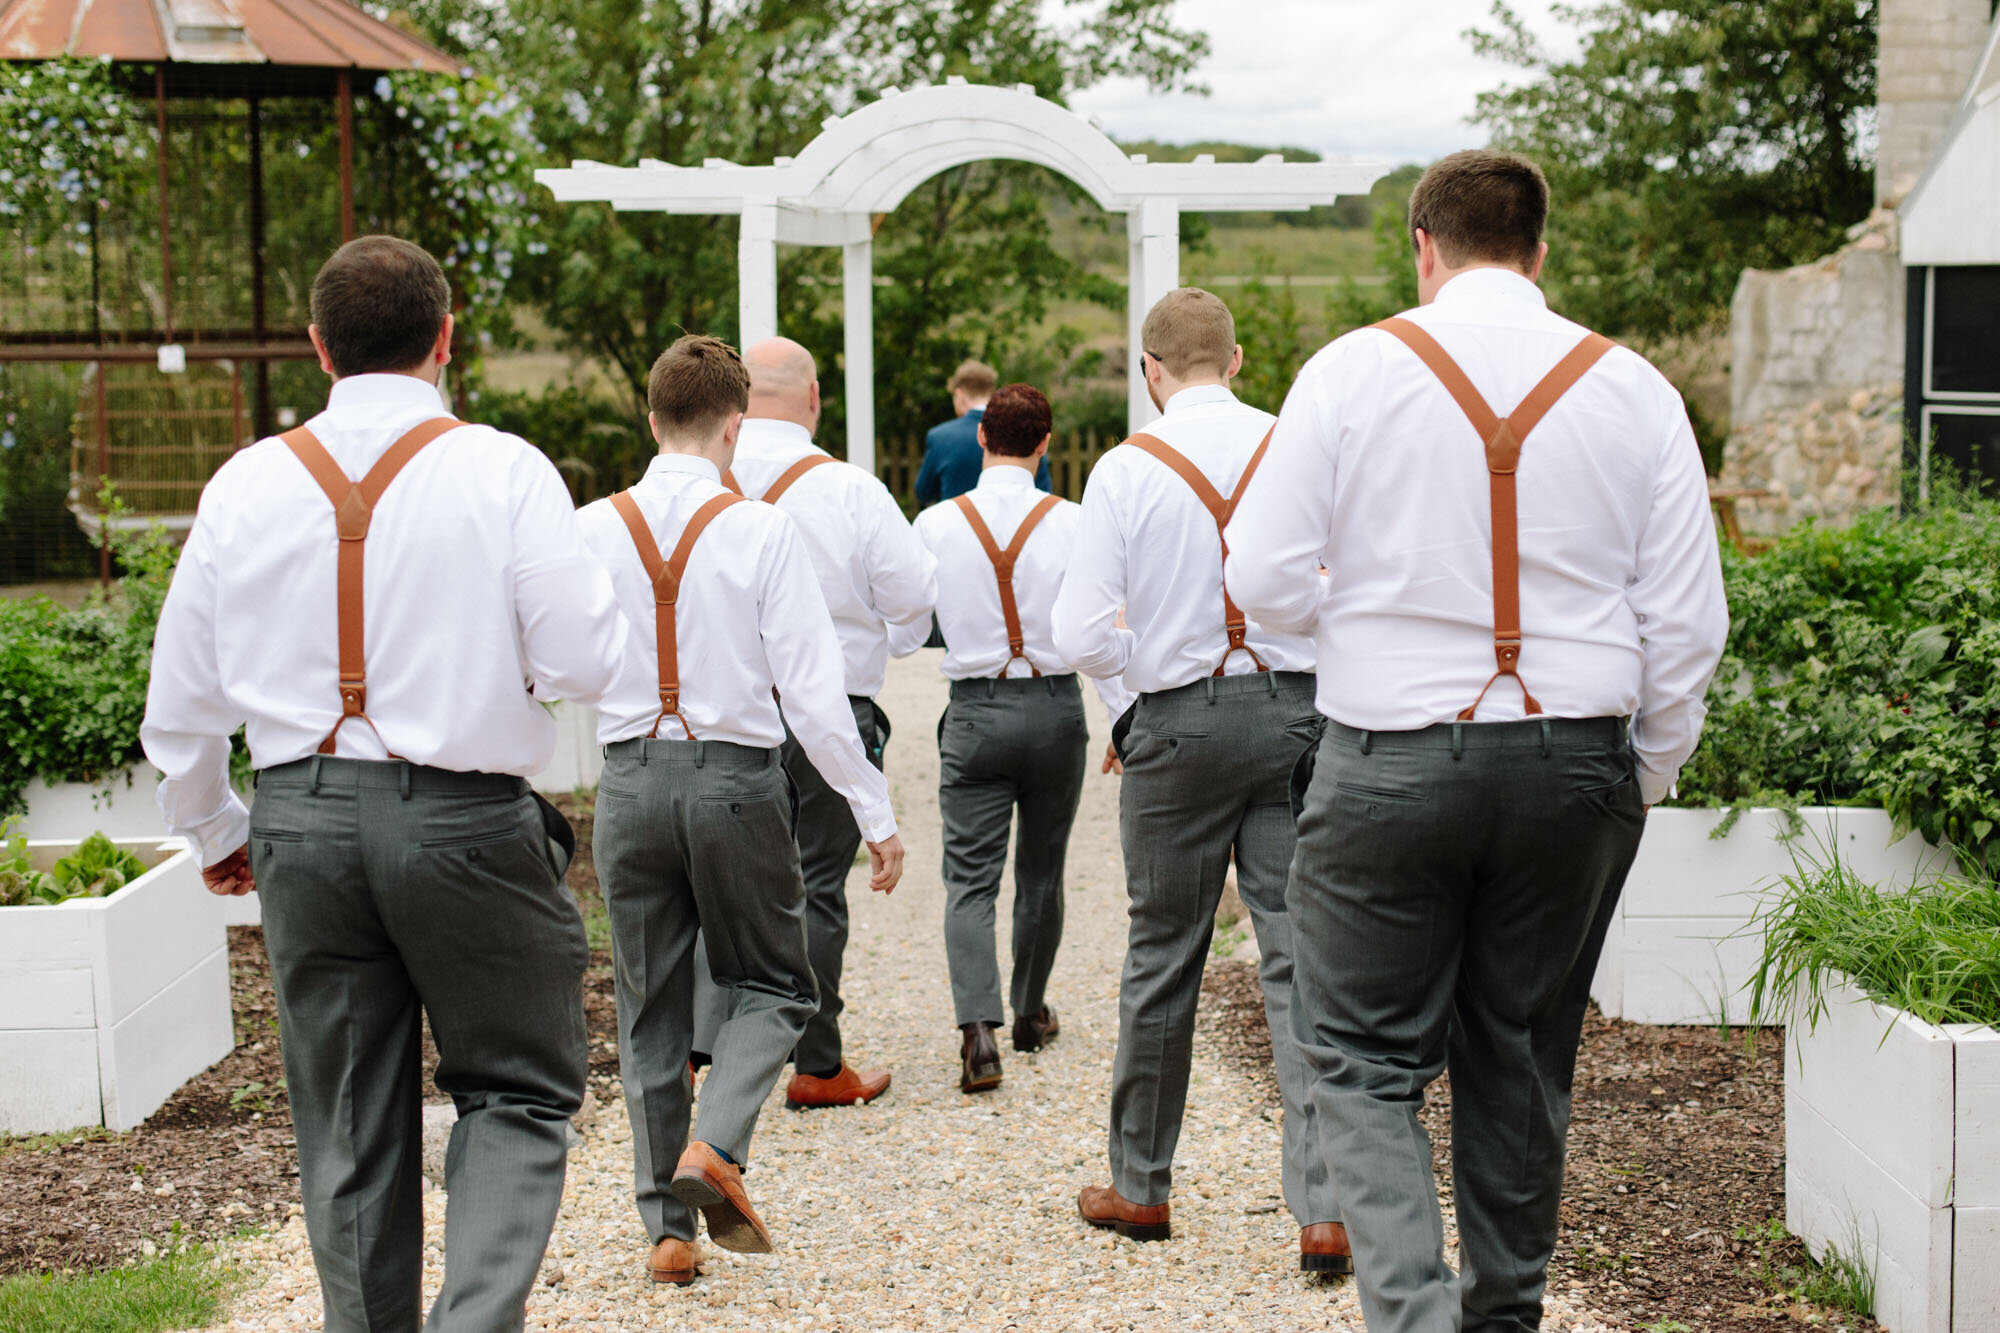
column 388, row 673
column 1467, row 829
column 694, row 811
column 874, row 575
column 1224, row 712
column 1013, row 736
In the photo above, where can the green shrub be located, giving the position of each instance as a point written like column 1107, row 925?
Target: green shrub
column 1863, row 667
column 1933, row 952
column 97, row 868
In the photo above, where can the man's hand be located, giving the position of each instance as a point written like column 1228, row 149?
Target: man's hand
column 230, row 877
column 885, row 864
column 1112, row 764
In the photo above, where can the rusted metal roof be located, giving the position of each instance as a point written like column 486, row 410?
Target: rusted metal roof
column 313, row 33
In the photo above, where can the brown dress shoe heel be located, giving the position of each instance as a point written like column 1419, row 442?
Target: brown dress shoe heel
column 1323, row 1249
column 1035, row 1031
column 704, row 1180
column 674, row 1261
column 847, row 1088
column 979, row 1059
column 1103, row 1206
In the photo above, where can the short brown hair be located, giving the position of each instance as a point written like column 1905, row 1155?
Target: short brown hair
column 976, row 378
column 379, row 304
column 696, row 384
column 1189, row 330
column 1017, row 419
column 1482, row 206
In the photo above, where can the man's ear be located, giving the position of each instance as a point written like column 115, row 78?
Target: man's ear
column 1235, row 364
column 1042, row 449
column 1427, row 255
column 981, row 429
column 731, row 429
column 653, row 425
column 319, row 346
column 441, row 350
column 1541, row 257
column 812, row 397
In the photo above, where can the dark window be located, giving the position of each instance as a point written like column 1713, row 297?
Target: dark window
column 1965, row 330
column 1969, row 443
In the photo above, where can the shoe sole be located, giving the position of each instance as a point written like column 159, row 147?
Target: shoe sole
column 858, row 1100
column 1339, row 1265
column 679, row 1277
column 1131, row 1230
column 984, row 1083
column 728, row 1225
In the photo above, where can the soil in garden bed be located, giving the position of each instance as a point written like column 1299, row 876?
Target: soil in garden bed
column 218, row 1158
column 1676, row 1155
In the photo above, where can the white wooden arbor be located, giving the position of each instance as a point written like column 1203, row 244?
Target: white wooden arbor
column 867, row 162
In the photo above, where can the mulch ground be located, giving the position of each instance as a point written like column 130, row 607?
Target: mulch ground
column 218, row 1158
column 1676, row 1153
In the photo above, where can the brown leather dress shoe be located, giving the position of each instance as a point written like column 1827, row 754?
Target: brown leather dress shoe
column 674, row 1261
column 847, row 1088
column 979, row 1059
column 704, row 1180
column 1323, row 1249
column 1104, row 1206
column 1035, row 1031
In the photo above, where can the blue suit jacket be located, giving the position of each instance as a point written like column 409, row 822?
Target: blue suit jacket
column 953, row 459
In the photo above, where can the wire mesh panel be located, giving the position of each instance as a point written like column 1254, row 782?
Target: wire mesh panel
column 156, row 439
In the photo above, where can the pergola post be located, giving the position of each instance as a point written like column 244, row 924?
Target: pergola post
column 858, row 319
column 1153, row 229
column 757, row 273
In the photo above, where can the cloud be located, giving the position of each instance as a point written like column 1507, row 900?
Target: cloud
column 1364, row 78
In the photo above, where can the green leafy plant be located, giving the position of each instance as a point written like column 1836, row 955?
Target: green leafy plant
column 1840, row 1281
column 97, row 868
column 1932, row 952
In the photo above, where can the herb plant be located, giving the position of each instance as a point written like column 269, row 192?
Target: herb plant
column 97, row 868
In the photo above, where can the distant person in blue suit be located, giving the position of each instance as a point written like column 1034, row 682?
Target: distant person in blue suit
column 952, row 456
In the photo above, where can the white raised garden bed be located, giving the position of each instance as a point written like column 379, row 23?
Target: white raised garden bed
column 107, row 1005
column 1680, row 950
column 1892, row 1143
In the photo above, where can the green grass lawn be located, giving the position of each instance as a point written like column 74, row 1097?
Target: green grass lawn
column 181, row 1290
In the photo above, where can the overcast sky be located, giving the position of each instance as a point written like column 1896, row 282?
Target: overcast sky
column 1366, row 78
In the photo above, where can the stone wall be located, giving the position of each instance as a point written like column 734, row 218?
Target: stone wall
column 1799, row 334
column 1828, row 459
column 1928, row 50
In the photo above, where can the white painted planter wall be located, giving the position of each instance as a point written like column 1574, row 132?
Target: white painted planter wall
column 1892, row 1140
column 578, row 758
column 1679, row 950
column 108, row 1005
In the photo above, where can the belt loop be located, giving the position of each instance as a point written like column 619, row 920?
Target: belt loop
column 700, row 753
column 643, row 747
column 1458, row 740
column 1367, row 741
column 1208, row 687
column 1548, row 733
column 993, row 688
column 1271, row 679
column 313, row 788
column 403, row 779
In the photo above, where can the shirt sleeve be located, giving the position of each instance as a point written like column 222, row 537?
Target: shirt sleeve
column 1677, row 596
column 1084, row 620
column 902, row 573
column 573, row 636
column 1279, row 532
column 803, row 654
column 189, row 719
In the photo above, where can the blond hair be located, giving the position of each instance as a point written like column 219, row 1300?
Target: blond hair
column 1189, row 331
column 975, row 379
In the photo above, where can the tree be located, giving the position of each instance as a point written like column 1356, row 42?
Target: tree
column 749, row 80
column 1686, row 141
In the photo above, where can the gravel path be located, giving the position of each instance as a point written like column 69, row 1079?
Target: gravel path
column 929, row 1209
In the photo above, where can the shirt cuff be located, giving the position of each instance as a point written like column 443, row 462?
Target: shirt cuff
column 215, row 838
column 877, row 822
column 1656, row 787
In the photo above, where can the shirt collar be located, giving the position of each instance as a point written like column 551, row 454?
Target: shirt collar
column 687, row 465
column 376, row 393
column 1490, row 284
column 974, row 413
column 1005, row 477
column 1199, row 395
column 768, row 434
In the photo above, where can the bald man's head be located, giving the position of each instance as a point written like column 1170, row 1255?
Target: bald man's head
column 784, row 382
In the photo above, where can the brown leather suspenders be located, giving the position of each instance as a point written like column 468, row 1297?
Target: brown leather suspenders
column 785, row 478
column 666, row 580
column 354, row 508
column 1003, row 568
column 1221, row 511
column 1503, row 439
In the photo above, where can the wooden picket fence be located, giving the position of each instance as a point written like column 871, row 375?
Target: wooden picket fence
column 898, row 460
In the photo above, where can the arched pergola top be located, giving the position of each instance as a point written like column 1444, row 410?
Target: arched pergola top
column 869, row 160
column 865, row 163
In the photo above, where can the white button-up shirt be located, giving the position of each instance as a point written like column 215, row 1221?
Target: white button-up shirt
column 1376, row 472
column 477, row 589
column 1148, row 545
column 749, row 617
column 969, row 612
column 872, row 570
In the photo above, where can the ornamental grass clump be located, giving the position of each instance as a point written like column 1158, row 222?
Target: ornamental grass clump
column 1932, row 952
